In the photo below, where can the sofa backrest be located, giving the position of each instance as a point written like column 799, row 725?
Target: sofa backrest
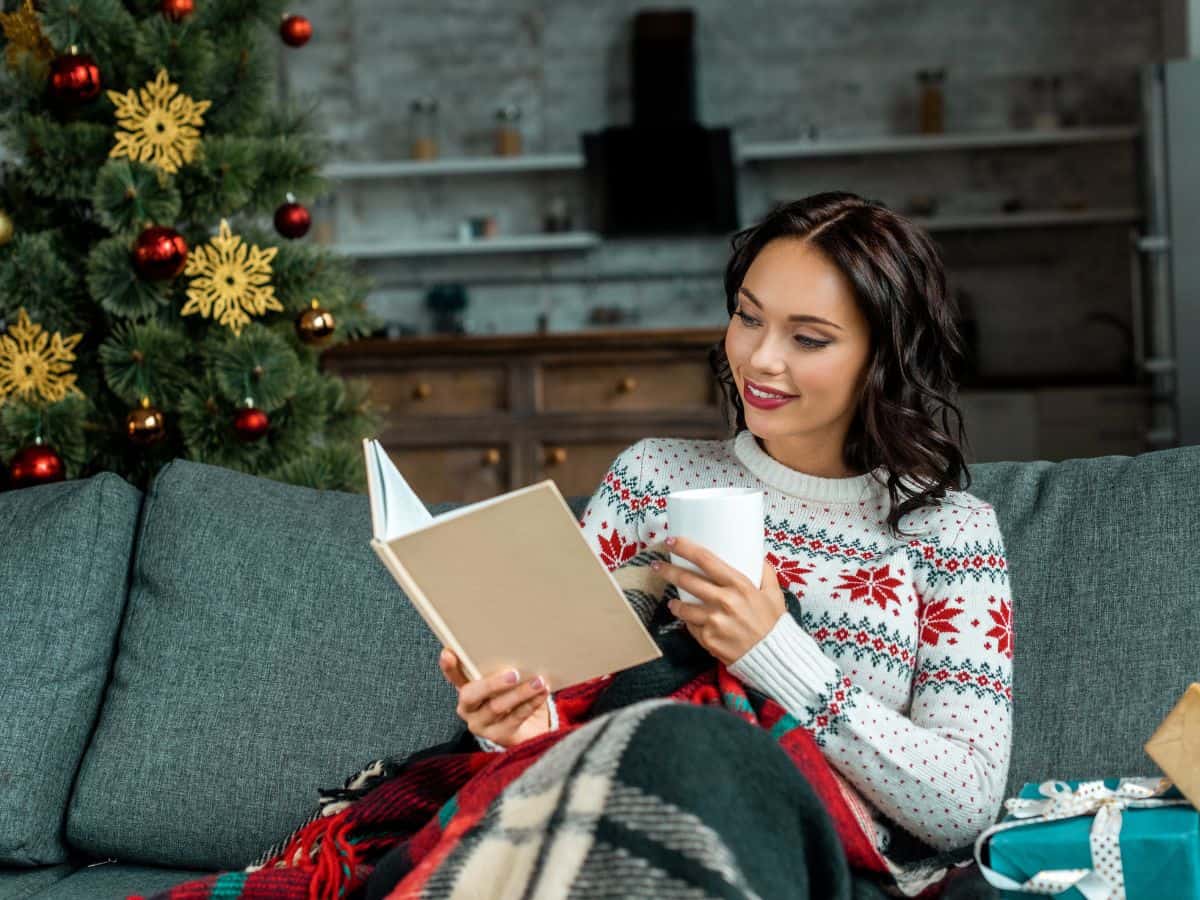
column 1106, row 605
column 265, row 653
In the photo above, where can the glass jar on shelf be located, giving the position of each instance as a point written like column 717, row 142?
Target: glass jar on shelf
column 1047, row 111
column 932, row 100
column 424, row 112
column 508, row 134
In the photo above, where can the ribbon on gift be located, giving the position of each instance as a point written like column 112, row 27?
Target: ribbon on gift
column 1106, row 879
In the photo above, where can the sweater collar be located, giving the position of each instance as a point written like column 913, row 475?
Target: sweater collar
column 798, row 484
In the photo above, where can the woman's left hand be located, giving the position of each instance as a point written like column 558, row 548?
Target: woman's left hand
column 734, row 615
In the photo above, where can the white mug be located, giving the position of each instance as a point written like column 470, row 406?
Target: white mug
column 728, row 521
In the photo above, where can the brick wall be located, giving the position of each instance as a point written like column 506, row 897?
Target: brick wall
column 772, row 70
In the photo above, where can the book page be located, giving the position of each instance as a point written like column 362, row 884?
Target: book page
column 395, row 507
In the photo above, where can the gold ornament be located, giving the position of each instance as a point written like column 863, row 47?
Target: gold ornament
column 23, row 29
column 34, row 363
column 146, row 424
column 315, row 325
column 231, row 281
column 162, row 126
column 6, row 228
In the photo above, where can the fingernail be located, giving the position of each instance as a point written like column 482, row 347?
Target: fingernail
column 670, row 542
column 538, row 683
column 513, row 677
column 656, row 565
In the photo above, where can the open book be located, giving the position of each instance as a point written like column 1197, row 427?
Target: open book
column 506, row 582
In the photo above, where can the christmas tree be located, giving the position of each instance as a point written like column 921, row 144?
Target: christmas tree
column 157, row 298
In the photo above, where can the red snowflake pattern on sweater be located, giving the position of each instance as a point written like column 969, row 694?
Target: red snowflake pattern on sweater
column 877, row 585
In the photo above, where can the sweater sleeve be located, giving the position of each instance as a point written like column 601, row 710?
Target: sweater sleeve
column 610, row 523
column 612, row 519
column 940, row 771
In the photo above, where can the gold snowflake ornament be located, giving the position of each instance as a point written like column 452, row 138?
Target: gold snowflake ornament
column 34, row 363
column 231, row 281
column 158, row 125
column 23, row 29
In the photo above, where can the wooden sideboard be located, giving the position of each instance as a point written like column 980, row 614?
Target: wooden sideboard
column 470, row 417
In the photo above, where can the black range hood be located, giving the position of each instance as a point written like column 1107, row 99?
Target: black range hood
column 666, row 174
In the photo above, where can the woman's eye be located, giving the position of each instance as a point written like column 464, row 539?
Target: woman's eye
column 806, row 342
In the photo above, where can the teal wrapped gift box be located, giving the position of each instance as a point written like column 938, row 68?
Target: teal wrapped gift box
column 1160, row 849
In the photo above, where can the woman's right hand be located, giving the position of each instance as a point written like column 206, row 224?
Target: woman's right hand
column 498, row 707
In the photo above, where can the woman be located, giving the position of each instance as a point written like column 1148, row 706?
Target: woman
column 840, row 353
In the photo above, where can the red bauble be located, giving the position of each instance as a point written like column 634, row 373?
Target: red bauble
column 295, row 30
column 250, row 423
column 177, row 10
column 36, row 464
column 74, row 79
column 292, row 220
column 159, row 253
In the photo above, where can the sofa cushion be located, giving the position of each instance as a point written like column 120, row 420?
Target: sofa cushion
column 1106, row 605
column 265, row 653
column 115, row 881
column 64, row 570
column 25, row 882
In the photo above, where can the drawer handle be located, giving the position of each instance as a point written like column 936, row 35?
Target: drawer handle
column 556, row 456
column 627, row 385
column 491, row 457
column 422, row 391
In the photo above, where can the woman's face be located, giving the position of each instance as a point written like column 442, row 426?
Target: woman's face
column 797, row 330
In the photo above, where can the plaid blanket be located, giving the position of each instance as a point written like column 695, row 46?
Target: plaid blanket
column 669, row 779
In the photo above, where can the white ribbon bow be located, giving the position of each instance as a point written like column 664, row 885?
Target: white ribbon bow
column 1106, row 879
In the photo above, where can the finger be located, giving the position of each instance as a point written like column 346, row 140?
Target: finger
column 448, row 663
column 770, row 578
column 707, row 562
column 516, row 716
column 476, row 693
column 689, row 613
column 697, row 585
column 502, row 705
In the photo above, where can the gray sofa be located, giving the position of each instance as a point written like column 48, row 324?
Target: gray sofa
column 180, row 672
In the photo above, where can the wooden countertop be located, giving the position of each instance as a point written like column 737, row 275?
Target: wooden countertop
column 553, row 342
column 378, row 350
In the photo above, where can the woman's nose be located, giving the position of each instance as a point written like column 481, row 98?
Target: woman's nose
column 767, row 357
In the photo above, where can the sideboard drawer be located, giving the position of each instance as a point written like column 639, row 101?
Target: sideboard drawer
column 441, row 392
column 577, row 467
column 455, row 474
column 629, row 386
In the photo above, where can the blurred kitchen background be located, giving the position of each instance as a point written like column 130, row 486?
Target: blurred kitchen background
column 551, row 282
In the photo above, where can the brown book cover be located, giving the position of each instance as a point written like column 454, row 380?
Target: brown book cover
column 508, row 581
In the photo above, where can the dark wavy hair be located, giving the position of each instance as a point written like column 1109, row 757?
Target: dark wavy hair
column 916, row 348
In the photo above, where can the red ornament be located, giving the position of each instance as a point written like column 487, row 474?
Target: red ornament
column 74, row 78
column 295, row 30
column 177, row 10
column 36, row 464
column 159, row 253
column 292, row 220
column 250, row 423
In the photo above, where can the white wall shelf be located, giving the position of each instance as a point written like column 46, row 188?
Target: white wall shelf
column 1033, row 218
column 585, row 240
column 532, row 243
column 918, row 143
column 745, row 153
column 483, row 165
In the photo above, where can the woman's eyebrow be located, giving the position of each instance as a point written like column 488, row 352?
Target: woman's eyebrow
column 796, row 318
